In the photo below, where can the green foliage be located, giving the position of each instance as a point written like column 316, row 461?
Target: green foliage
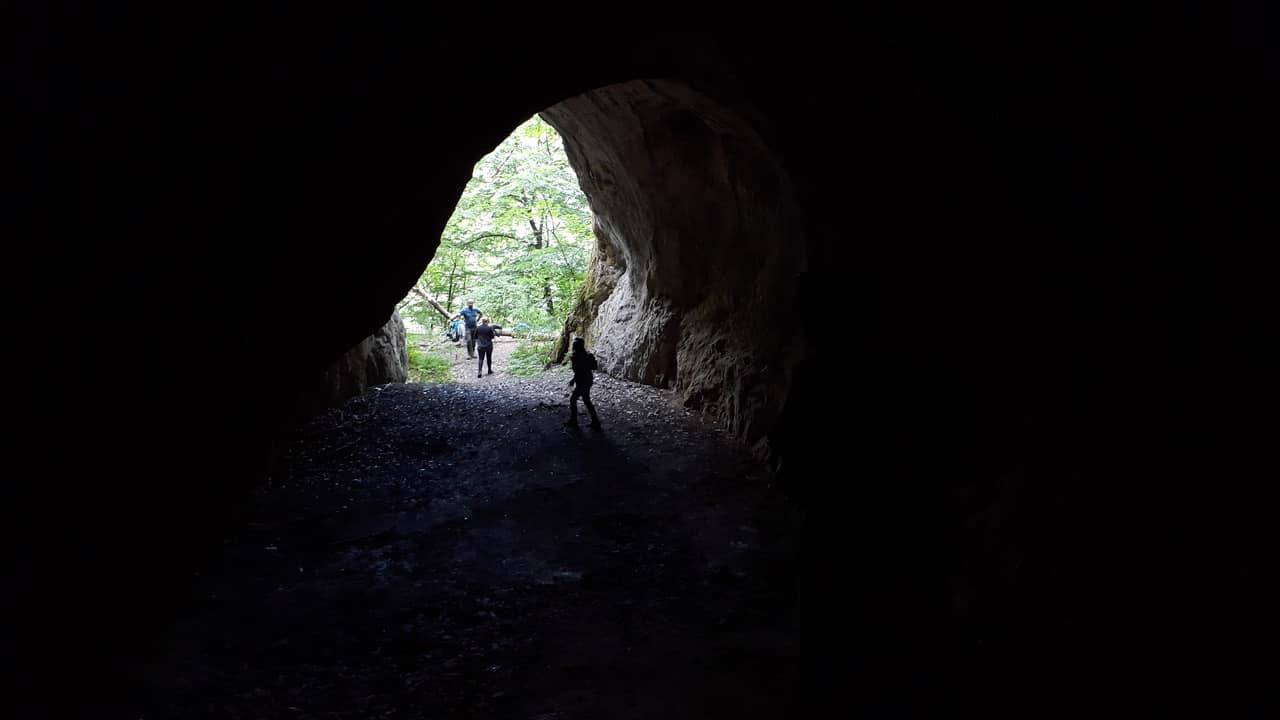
column 518, row 242
column 425, row 367
column 530, row 358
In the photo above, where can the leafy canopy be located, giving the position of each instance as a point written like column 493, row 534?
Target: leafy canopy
column 518, row 242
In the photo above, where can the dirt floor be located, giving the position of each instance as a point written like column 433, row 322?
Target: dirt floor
column 453, row 551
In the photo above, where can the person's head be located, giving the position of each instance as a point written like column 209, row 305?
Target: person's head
column 579, row 345
column 471, row 303
column 484, row 321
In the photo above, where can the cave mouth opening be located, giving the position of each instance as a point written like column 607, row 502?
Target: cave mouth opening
column 515, row 251
column 455, row 543
column 650, row 219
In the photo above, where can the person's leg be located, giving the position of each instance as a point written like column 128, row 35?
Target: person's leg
column 591, row 408
column 489, row 354
column 471, row 342
column 480, row 364
column 573, row 407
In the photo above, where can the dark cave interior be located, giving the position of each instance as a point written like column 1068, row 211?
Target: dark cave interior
column 953, row 277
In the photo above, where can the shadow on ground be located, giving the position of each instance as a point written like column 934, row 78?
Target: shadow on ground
column 453, row 551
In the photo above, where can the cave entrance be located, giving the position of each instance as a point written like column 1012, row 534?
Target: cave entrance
column 515, row 250
column 453, row 546
column 652, row 220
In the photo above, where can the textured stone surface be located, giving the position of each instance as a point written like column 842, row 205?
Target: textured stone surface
column 376, row 360
column 699, row 248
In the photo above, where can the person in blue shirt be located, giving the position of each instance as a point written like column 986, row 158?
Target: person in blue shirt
column 470, row 316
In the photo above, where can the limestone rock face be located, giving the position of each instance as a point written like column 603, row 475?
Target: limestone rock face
column 376, row 360
column 699, row 246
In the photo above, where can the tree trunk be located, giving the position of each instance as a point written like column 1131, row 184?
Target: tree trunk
column 432, row 303
column 448, row 301
column 537, row 233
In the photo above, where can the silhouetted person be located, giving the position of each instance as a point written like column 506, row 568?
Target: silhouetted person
column 583, row 363
column 484, row 343
column 470, row 315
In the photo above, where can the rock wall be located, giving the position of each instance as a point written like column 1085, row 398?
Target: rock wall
column 698, row 249
column 376, row 360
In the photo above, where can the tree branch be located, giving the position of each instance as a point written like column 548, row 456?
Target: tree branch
column 483, row 236
column 432, row 303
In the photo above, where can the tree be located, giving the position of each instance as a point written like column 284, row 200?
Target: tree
column 519, row 241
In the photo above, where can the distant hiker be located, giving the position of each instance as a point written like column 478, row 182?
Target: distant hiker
column 484, row 343
column 456, row 330
column 583, row 364
column 470, row 315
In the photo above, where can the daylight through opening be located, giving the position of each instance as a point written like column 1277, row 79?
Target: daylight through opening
column 514, row 252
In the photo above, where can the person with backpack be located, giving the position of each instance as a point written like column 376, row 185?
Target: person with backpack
column 583, row 363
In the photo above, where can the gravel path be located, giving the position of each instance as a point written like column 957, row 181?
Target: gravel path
column 464, row 368
column 451, row 551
